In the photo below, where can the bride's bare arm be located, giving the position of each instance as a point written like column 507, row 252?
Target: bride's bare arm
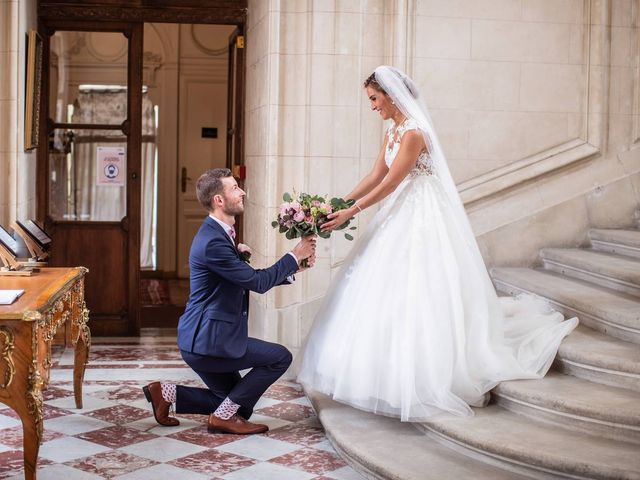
column 373, row 178
column 410, row 147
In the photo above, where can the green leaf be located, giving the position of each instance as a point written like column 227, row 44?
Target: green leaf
column 353, row 228
column 287, row 197
column 324, row 234
column 274, row 224
column 283, row 229
column 348, row 237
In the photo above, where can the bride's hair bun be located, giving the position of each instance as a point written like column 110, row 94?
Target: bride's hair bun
column 413, row 90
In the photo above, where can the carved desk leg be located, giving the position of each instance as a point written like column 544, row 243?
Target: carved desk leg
column 81, row 357
column 32, row 425
column 21, row 385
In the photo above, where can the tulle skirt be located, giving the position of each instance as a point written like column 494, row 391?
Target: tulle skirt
column 412, row 327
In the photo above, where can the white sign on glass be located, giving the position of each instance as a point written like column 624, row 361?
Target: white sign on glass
column 112, row 166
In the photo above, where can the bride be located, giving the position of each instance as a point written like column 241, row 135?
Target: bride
column 412, row 326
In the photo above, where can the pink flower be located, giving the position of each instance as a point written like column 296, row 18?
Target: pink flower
column 298, row 216
column 295, row 206
column 284, row 208
column 327, row 207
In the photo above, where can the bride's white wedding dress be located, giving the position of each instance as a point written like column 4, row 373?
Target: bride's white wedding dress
column 412, row 326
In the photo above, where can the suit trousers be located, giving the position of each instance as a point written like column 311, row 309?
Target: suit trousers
column 267, row 361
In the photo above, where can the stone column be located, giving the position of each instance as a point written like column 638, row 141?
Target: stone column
column 17, row 169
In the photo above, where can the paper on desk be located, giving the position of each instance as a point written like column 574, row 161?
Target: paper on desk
column 7, row 297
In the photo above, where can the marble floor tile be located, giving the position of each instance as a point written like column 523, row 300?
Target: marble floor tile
column 74, row 424
column 111, row 463
column 324, row 445
column 345, row 473
column 12, row 463
column 150, row 425
column 163, row 471
column 126, row 393
column 53, row 392
column 302, row 401
column 52, row 411
column 89, row 403
column 265, row 402
column 259, row 447
column 4, row 447
column 301, row 434
column 213, row 463
column 311, row 460
column 284, row 392
column 8, row 422
column 13, row 437
column 163, row 449
column 271, row 422
column 288, row 411
column 120, row 414
column 59, row 472
column 65, row 449
column 200, row 436
column 268, row 471
column 116, row 436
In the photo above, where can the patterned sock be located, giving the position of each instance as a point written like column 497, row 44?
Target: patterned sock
column 227, row 409
column 168, row 392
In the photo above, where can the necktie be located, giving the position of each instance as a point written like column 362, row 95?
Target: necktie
column 232, row 233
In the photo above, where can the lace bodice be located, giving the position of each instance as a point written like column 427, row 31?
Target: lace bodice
column 423, row 166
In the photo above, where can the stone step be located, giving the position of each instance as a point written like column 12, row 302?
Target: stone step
column 535, row 448
column 607, row 269
column 592, row 356
column 608, row 311
column 384, row 448
column 576, row 404
column 622, row 242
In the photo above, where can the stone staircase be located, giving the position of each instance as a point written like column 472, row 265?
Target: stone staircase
column 581, row 421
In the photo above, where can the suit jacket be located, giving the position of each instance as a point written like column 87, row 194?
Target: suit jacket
column 215, row 321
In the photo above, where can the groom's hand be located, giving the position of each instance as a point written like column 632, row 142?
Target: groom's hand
column 310, row 262
column 305, row 248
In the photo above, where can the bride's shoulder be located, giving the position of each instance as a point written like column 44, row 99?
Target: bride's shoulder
column 408, row 125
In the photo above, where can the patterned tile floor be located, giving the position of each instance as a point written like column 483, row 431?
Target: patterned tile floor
column 114, row 435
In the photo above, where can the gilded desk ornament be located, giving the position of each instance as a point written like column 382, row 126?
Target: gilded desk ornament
column 34, row 398
column 6, row 350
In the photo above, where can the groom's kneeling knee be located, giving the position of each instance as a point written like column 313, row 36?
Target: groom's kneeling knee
column 284, row 358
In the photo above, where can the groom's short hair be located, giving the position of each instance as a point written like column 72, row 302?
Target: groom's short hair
column 210, row 184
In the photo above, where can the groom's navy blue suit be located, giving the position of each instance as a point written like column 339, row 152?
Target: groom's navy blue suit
column 213, row 331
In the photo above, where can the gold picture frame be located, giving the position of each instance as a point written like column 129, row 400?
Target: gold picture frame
column 33, row 88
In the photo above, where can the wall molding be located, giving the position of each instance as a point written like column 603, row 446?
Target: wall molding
column 523, row 171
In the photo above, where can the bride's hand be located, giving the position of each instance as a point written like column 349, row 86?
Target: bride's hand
column 336, row 219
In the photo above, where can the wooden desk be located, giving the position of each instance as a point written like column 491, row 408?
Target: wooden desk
column 52, row 298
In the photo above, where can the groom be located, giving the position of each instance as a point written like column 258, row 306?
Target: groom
column 213, row 331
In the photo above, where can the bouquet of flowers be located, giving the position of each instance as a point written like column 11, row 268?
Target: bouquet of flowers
column 303, row 214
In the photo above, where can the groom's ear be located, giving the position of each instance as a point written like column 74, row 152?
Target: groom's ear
column 216, row 202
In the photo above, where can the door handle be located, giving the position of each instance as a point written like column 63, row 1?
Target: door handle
column 184, row 179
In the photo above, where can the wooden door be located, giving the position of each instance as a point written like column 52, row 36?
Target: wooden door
column 89, row 169
column 235, row 113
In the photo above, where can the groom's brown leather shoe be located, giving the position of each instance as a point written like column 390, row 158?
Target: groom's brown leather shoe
column 235, row 424
column 153, row 393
